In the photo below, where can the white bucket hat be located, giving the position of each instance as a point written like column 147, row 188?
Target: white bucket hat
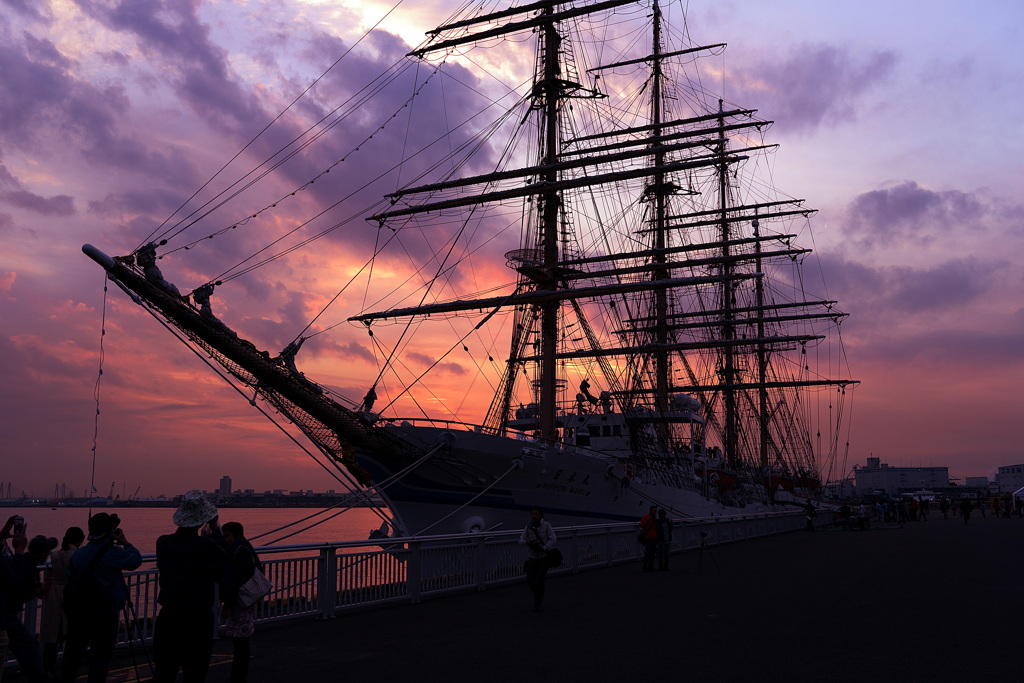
column 195, row 510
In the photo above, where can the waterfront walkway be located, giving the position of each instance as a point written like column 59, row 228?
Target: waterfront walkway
column 935, row 601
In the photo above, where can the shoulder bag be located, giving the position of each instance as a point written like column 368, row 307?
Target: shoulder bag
column 255, row 589
column 554, row 555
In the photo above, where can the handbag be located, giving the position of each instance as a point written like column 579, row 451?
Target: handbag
column 554, row 556
column 253, row 590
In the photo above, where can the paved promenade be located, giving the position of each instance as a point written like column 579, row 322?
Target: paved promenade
column 934, row 601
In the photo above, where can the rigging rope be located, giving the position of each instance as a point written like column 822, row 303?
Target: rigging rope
column 300, row 521
column 96, row 394
column 307, row 528
column 516, row 465
column 460, row 342
column 376, row 250
column 300, row 96
column 379, row 487
column 352, row 489
column 299, row 148
column 659, row 503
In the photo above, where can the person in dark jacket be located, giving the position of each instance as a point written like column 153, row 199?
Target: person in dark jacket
column 810, row 512
column 649, row 537
column 20, row 580
column 98, row 632
column 664, row 539
column 190, row 565
column 8, row 578
column 965, row 509
column 241, row 567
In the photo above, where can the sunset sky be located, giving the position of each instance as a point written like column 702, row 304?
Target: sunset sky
column 896, row 120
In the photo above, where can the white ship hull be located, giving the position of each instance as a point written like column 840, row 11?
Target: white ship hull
column 486, row 482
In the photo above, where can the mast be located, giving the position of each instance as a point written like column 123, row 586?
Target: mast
column 728, row 329
column 660, row 295
column 550, row 201
column 762, row 363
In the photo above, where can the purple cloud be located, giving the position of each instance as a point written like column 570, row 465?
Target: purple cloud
column 903, row 290
column 115, row 57
column 17, row 195
column 352, row 350
column 902, row 315
column 813, row 85
column 951, row 73
column 59, row 205
column 950, row 347
column 33, row 9
column 451, row 368
column 45, row 52
column 172, row 30
column 426, row 361
column 421, row 359
column 909, row 211
column 135, row 201
column 40, row 98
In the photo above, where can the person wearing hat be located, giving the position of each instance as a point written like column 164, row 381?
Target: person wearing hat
column 98, row 632
column 20, row 580
column 190, row 565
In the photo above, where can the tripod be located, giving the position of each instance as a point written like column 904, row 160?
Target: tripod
column 700, row 556
column 129, row 605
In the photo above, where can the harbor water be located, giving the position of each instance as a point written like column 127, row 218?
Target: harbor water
column 143, row 526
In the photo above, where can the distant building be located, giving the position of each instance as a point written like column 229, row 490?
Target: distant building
column 840, row 490
column 1010, row 478
column 225, row 486
column 878, row 476
column 977, row 482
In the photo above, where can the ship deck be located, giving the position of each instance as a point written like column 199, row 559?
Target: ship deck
column 930, row 601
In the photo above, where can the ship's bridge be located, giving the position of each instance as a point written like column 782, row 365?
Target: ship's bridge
column 604, row 429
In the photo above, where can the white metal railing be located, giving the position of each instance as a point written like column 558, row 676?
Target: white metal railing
column 325, row 579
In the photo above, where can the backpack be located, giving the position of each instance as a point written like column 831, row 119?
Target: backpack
column 84, row 596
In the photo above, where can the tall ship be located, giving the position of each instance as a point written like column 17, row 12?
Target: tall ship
column 656, row 341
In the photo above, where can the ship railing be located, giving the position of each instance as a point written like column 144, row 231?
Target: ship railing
column 326, row 580
column 437, row 422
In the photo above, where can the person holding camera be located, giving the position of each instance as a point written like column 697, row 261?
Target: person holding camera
column 19, row 578
column 9, row 582
column 105, row 557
